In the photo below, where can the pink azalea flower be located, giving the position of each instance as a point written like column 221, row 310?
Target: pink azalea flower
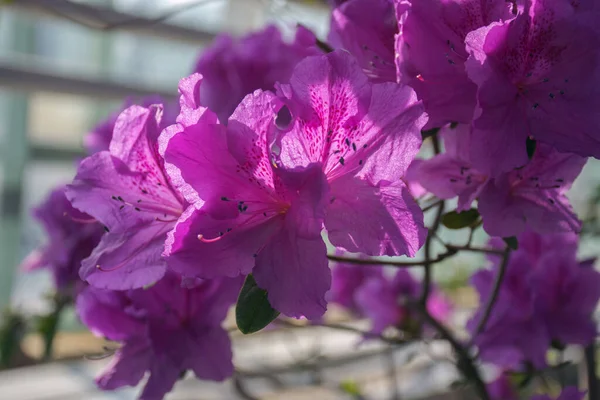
column 233, row 68
column 346, row 280
column 99, row 138
column 431, row 52
column 385, row 301
column 366, row 28
column 72, row 235
column 546, row 295
column 126, row 189
column 164, row 331
column 364, row 135
column 250, row 215
column 536, row 77
column 532, row 196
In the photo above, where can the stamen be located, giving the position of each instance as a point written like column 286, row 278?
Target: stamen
column 203, row 239
column 80, row 220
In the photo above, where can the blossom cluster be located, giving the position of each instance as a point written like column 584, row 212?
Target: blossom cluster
column 278, row 148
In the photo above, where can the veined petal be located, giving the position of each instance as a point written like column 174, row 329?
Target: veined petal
column 374, row 219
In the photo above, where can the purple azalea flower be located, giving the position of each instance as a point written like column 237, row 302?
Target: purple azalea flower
column 515, row 332
column 126, row 189
column 529, row 197
column 568, row 393
column 364, row 136
column 366, row 28
column 384, row 301
column 546, row 296
column 536, row 77
column 99, row 138
column 72, row 235
column 253, row 216
column 164, row 330
column 346, row 280
column 431, row 52
column 502, row 389
column 234, row 68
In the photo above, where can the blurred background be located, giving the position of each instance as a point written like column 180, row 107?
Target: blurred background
column 65, row 66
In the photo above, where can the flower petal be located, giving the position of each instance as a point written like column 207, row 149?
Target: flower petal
column 375, row 220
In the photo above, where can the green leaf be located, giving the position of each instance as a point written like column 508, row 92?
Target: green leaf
column 429, row 133
column 253, row 311
column 12, row 331
column 350, row 387
column 511, row 242
column 531, row 145
column 456, row 220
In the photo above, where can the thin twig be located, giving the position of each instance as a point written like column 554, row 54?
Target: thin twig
column 427, row 278
column 491, row 301
column 433, row 205
column 399, row 264
column 341, row 327
column 487, row 250
column 592, row 378
column 465, row 363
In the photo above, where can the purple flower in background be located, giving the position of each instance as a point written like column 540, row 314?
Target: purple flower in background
column 546, row 295
column 568, row 393
column 451, row 174
column 233, row 68
column 346, row 279
column 385, row 301
column 431, row 52
column 532, row 197
column 164, row 330
column 253, row 216
column 502, row 389
column 98, row 139
column 72, row 235
column 529, row 197
column 364, row 136
column 126, row 189
column 536, row 77
column 366, row 28
column 515, row 332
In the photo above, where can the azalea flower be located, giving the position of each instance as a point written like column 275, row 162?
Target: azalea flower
column 72, row 235
column 364, row 136
column 366, row 28
column 127, row 190
column 431, row 52
column 529, row 197
column 233, row 68
column 164, row 330
column 535, row 77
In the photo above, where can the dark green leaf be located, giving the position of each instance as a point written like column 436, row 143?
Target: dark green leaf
column 429, row 133
column 253, row 311
column 456, row 220
column 12, row 331
column 531, row 145
column 511, row 242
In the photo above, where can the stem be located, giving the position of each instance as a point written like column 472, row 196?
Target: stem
column 495, row 292
column 590, row 363
column 476, row 249
column 428, row 262
column 465, row 363
column 399, row 264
